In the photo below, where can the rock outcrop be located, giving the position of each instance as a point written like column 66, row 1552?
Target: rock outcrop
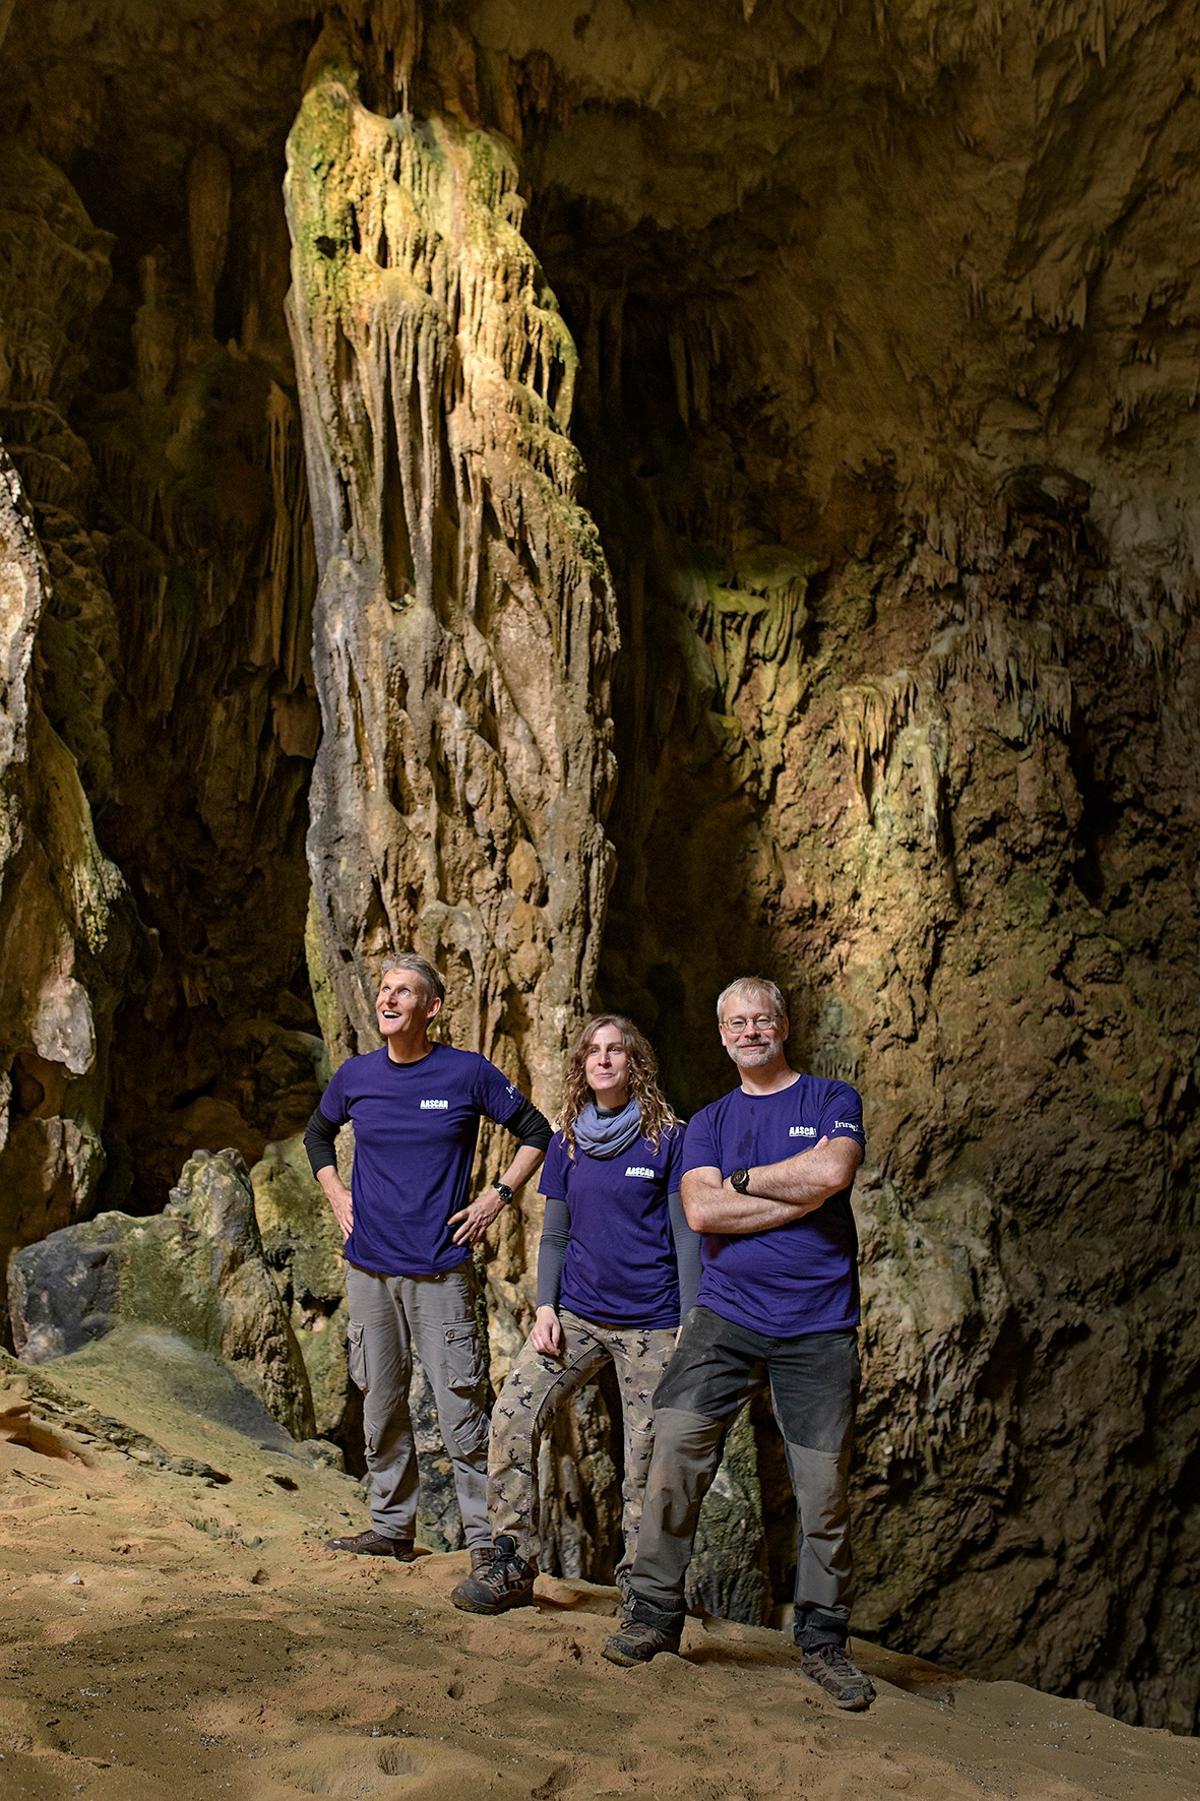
column 196, row 1270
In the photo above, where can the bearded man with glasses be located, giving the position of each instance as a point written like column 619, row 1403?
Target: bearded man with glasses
column 767, row 1175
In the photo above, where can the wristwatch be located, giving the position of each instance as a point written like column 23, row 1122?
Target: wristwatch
column 504, row 1191
column 740, row 1179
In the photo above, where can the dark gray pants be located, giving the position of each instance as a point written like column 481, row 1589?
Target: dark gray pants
column 814, row 1385
column 390, row 1317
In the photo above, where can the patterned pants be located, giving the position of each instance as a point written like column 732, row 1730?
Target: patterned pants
column 537, row 1385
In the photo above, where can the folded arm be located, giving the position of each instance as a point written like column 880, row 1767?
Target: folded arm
column 778, row 1193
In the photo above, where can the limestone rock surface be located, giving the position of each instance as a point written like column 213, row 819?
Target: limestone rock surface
column 197, row 1270
column 464, row 623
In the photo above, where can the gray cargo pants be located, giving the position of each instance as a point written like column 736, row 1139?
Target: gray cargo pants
column 814, row 1387
column 537, row 1385
column 390, row 1317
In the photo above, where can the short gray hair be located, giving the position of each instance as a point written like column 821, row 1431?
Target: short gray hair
column 435, row 987
column 743, row 985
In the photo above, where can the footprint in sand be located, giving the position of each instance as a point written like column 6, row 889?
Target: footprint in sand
column 359, row 1767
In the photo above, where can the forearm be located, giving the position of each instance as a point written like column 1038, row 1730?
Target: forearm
column 525, row 1162
column 808, row 1179
column 552, row 1251
column 332, row 1186
column 713, row 1206
column 341, row 1204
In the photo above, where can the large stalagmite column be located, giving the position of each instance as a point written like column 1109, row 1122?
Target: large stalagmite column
column 464, row 623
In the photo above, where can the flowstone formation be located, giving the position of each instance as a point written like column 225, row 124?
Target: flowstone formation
column 464, row 621
column 875, row 329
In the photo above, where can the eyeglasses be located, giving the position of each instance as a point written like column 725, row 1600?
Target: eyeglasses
column 762, row 1022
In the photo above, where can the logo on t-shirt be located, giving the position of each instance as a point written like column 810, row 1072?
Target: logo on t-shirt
column 851, row 1125
column 802, row 1132
column 639, row 1169
column 435, row 1106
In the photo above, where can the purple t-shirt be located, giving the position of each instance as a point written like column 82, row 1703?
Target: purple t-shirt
column 793, row 1279
column 620, row 1267
column 415, row 1127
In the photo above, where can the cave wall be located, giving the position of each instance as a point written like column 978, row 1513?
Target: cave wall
column 149, row 407
column 873, row 657
column 893, row 463
column 68, row 933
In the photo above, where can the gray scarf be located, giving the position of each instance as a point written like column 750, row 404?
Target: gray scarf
column 607, row 1134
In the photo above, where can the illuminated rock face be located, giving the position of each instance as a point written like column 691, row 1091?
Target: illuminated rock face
column 464, row 624
column 877, row 336
column 66, row 922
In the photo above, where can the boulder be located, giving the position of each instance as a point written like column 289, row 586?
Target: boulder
column 197, row 1270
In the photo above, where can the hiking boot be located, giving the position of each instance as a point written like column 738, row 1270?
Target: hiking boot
column 504, row 1580
column 845, row 1684
column 374, row 1544
column 644, row 1632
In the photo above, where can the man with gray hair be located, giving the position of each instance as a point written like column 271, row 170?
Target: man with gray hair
column 408, row 1227
column 767, row 1175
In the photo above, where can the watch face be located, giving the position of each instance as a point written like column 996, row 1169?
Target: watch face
column 504, row 1191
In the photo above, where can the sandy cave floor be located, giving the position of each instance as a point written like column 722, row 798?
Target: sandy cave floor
column 164, row 1637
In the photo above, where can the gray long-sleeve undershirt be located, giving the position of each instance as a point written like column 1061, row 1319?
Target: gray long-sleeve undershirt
column 552, row 1251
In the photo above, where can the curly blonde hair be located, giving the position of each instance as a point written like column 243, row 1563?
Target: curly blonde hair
column 656, row 1110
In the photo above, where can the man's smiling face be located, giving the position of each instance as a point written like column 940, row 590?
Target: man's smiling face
column 403, row 1004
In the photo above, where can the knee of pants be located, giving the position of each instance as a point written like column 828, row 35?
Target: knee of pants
column 639, row 1447
column 820, row 1482
column 469, row 1435
column 687, row 1449
column 511, row 1443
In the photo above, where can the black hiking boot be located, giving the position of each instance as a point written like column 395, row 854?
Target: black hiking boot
column 645, row 1631
column 846, row 1685
column 503, row 1580
column 374, row 1544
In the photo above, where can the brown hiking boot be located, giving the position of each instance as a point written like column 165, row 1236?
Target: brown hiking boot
column 504, row 1581
column 645, row 1631
column 374, row 1544
column 846, row 1685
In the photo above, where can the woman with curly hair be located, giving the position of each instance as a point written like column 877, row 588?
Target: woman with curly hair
column 618, row 1266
